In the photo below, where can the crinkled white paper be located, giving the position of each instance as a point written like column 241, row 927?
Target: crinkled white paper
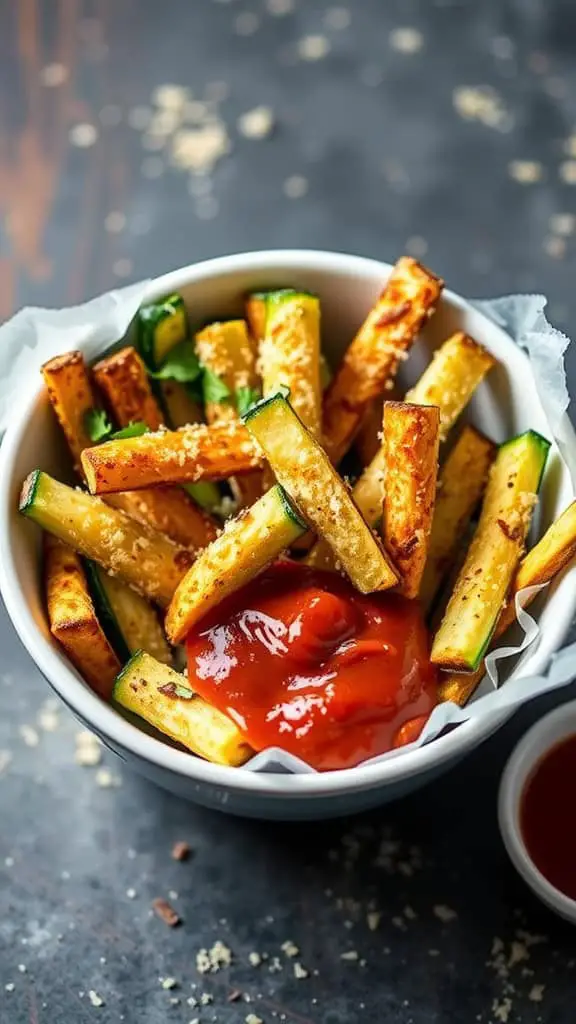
column 35, row 335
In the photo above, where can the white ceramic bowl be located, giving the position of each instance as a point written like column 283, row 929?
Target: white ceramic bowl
column 558, row 725
column 347, row 286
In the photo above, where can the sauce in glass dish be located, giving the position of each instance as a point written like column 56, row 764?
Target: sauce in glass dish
column 547, row 816
column 301, row 660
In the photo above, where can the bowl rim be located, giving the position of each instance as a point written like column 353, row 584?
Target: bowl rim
column 105, row 720
column 537, row 742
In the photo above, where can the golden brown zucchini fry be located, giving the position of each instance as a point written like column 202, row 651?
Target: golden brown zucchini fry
column 306, row 473
column 371, row 360
column 139, row 556
column 451, row 378
column 123, row 379
column 411, row 441
column 229, row 352
column 197, row 452
column 72, row 618
column 460, row 487
column 493, row 556
column 256, row 314
column 247, row 544
column 547, row 558
column 290, row 353
column 71, row 397
column 165, row 699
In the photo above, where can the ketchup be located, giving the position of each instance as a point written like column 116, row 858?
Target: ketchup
column 547, row 816
column 301, row 660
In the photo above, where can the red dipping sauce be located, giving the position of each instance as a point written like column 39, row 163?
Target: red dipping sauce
column 547, row 818
column 301, row 660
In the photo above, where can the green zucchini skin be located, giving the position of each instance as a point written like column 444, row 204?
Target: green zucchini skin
column 149, row 325
column 29, row 492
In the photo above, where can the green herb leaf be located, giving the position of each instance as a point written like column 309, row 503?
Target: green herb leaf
column 181, row 364
column 214, row 389
column 245, row 398
column 135, row 429
column 184, row 691
column 97, row 425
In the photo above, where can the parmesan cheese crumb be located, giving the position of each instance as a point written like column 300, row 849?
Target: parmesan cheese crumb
column 169, row 983
column 29, row 736
column 300, row 971
column 95, row 999
column 526, row 172
column 256, row 123
column 255, row 959
column 444, row 913
column 313, row 47
column 536, row 993
column 88, row 752
column 213, row 959
column 406, row 40
column 373, row 919
column 253, row 1019
column 350, row 954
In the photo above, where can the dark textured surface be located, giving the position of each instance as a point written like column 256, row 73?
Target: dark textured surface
column 388, row 161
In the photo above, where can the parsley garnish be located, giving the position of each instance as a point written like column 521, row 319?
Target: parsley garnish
column 99, row 428
column 181, row 364
column 97, row 425
column 135, row 429
column 214, row 389
column 245, row 398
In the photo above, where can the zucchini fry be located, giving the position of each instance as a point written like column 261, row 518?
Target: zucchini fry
column 547, row 558
column 164, row 698
column 493, row 556
column 246, row 546
column 451, row 378
column 160, row 327
column 143, row 558
column 290, row 353
column 305, row 471
column 130, row 623
column 228, row 351
column 411, row 442
column 371, row 361
column 197, row 452
column 460, row 487
column 255, row 306
column 123, row 380
column 71, row 397
column 73, row 620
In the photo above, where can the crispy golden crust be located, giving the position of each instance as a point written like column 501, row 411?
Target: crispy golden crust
column 137, row 555
column 198, row 452
column 547, row 558
column 123, row 380
column 169, row 510
column 372, row 359
column 247, row 545
column 411, row 441
column 304, row 470
column 460, row 488
column 492, row 558
column 73, row 620
column 229, row 351
column 71, row 397
column 451, row 378
column 256, row 315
